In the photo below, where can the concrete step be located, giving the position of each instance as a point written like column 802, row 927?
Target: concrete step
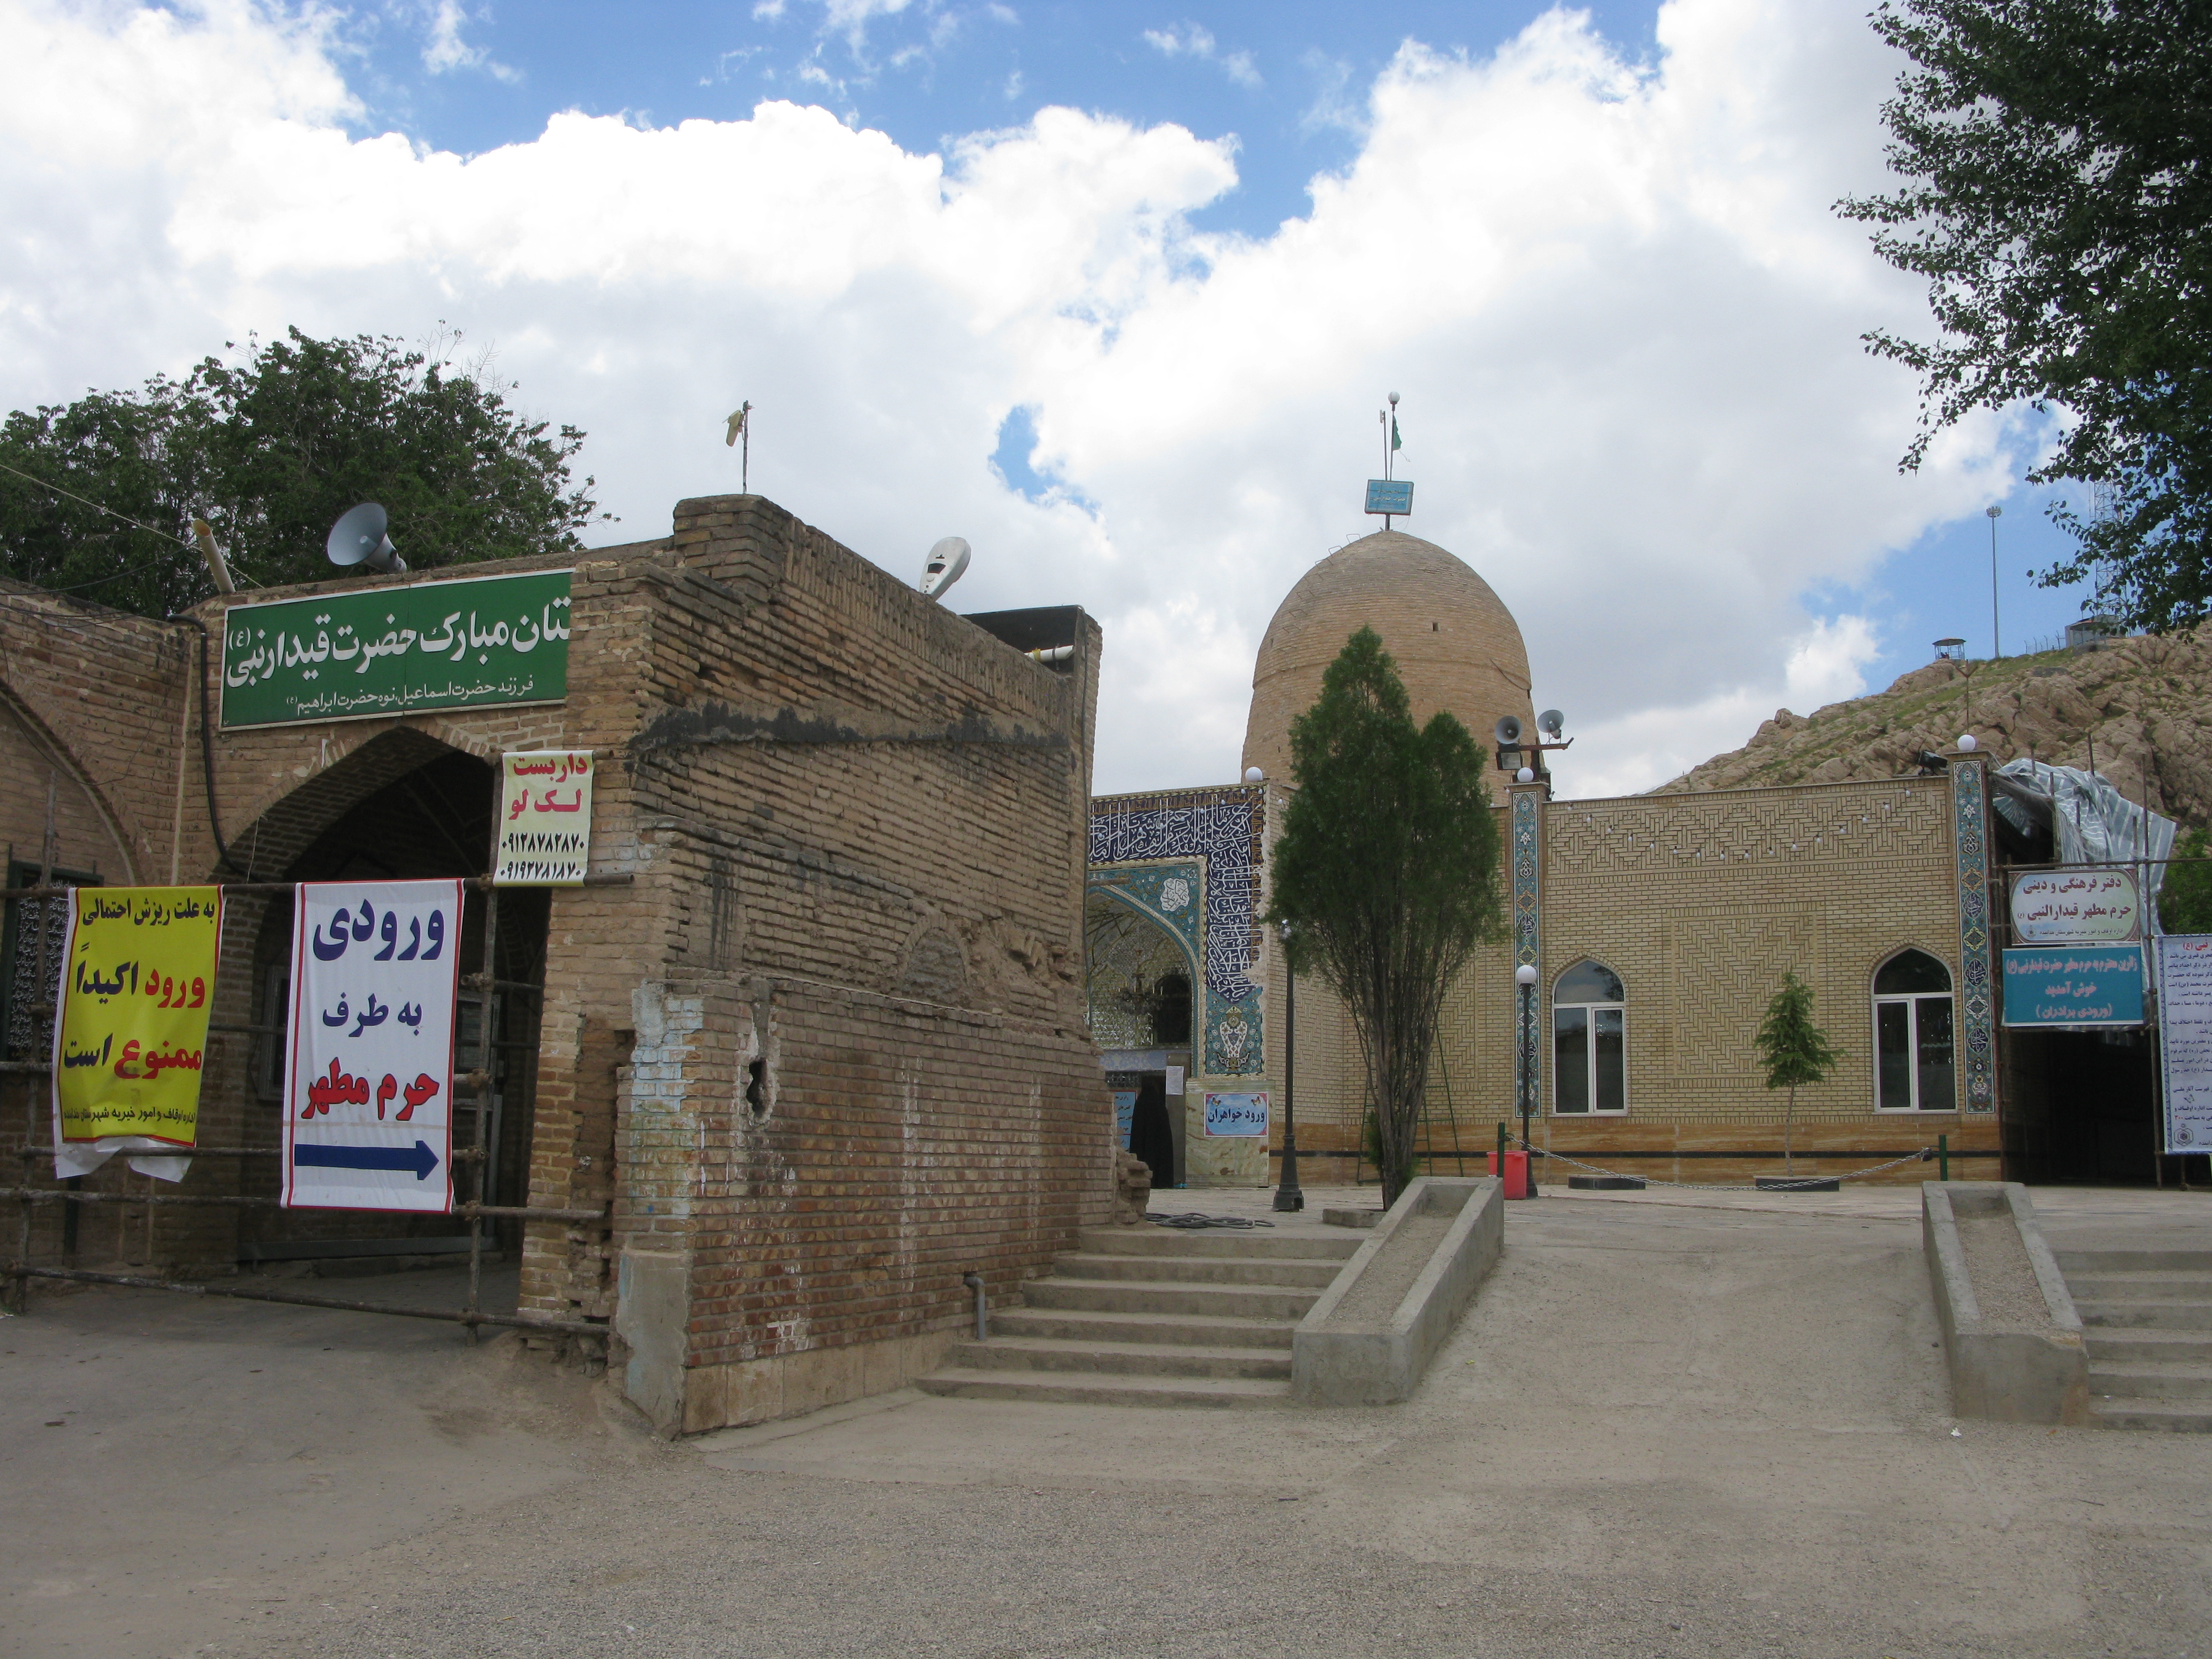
column 2134, row 1261
column 2104, row 1285
column 1050, row 1388
column 2153, row 1379
column 1158, row 1297
column 1074, row 1325
column 2135, row 1311
column 1285, row 1271
column 1033, row 1353
column 2107, row 1343
column 1149, row 1240
column 2176, row 1417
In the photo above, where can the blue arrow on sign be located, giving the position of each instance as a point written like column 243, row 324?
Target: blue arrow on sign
column 421, row 1159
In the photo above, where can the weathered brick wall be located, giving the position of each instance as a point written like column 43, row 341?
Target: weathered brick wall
column 853, row 828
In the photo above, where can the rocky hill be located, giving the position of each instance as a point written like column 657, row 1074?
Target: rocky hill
column 2141, row 705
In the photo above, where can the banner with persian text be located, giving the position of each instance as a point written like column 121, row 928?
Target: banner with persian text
column 138, row 967
column 369, row 1074
column 354, row 655
column 2077, row 987
column 2184, row 1039
column 544, row 818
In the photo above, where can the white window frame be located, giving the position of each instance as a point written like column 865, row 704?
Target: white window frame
column 1907, row 999
column 1589, row 1012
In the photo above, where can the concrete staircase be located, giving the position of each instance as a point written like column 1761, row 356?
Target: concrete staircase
column 2147, row 1322
column 1154, row 1316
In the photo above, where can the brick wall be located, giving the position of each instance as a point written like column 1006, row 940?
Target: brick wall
column 853, row 828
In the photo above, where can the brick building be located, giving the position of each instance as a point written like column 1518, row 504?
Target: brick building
column 811, row 1040
column 1660, row 926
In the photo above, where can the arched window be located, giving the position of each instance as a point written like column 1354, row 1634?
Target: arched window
column 1590, row 1041
column 1915, row 1066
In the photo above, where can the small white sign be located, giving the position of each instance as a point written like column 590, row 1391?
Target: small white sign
column 2080, row 906
column 2184, row 1039
column 1237, row 1114
column 544, row 819
column 1175, row 1080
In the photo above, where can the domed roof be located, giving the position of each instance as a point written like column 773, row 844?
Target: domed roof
column 1455, row 644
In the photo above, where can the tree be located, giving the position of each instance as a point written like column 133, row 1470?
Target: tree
column 2059, row 155
column 1387, row 872
column 2184, row 898
column 269, row 449
column 1793, row 1050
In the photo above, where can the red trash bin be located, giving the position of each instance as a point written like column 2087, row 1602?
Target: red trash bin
column 1517, row 1174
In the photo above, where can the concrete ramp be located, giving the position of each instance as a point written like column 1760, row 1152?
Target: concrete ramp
column 2010, row 1332
column 1370, row 1336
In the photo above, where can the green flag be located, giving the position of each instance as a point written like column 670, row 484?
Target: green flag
column 1396, row 442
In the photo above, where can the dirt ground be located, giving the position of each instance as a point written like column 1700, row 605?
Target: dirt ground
column 1665, row 1428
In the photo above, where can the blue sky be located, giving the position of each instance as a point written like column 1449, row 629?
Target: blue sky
column 1112, row 290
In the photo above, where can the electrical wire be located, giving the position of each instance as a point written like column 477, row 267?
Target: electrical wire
column 181, row 541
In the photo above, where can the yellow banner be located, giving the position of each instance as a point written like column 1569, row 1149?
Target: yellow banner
column 137, row 978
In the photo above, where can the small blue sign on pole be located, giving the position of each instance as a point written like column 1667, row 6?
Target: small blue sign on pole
column 2077, row 986
column 1391, row 496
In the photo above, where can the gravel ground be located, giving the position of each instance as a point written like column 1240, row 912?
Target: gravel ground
column 1660, row 1430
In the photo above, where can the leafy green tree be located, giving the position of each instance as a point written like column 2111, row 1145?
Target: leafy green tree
column 269, row 449
column 2184, row 897
column 1794, row 1051
column 1386, row 872
column 2058, row 161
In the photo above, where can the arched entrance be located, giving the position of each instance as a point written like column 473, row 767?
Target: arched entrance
column 1140, row 980
column 403, row 806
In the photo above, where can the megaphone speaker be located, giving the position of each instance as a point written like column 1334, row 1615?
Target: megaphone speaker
column 1508, row 731
column 359, row 538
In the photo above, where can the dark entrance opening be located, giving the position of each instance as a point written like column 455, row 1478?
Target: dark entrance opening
column 2082, row 1106
column 431, row 821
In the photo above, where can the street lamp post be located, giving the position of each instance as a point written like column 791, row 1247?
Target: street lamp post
column 1525, row 978
column 1996, row 639
column 1289, row 1196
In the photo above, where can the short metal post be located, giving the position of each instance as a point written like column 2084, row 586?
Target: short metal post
column 974, row 1282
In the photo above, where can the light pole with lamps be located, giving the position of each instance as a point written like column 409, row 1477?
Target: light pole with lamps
column 1996, row 639
column 1525, row 978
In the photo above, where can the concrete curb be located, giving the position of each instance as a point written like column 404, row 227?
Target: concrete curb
column 2009, row 1375
column 1337, row 1364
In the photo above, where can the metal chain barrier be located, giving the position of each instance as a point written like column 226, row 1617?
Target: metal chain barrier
column 1192, row 1220
column 1925, row 1155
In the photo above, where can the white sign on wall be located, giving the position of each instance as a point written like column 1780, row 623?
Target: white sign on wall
column 2184, row 1039
column 2080, row 906
column 544, row 818
column 1237, row 1114
column 369, row 1088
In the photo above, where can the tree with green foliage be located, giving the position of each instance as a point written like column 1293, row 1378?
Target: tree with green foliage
column 1387, row 872
column 2058, row 161
column 2184, row 897
column 270, row 449
column 1794, row 1050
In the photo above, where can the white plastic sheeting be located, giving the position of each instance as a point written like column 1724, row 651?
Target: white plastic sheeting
column 2093, row 823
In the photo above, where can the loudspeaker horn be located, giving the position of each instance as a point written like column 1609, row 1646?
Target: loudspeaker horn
column 359, row 538
column 1508, row 732
column 1552, row 723
column 943, row 566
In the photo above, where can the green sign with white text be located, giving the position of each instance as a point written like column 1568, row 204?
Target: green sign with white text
column 349, row 656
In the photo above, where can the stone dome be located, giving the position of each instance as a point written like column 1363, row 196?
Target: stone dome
column 1455, row 644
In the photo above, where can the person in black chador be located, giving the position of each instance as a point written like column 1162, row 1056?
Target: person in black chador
column 1150, row 1137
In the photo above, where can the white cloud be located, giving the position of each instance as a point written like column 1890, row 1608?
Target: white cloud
column 445, row 50
column 1193, row 40
column 1625, row 322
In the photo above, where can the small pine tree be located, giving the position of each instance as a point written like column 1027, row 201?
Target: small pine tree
column 1793, row 1050
column 2185, row 899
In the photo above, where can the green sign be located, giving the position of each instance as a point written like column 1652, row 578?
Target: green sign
column 381, row 651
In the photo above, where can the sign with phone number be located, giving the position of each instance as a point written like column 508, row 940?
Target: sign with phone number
column 1237, row 1114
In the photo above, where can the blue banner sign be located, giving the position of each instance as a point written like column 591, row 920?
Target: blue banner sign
column 1392, row 495
column 1237, row 1114
column 2073, row 985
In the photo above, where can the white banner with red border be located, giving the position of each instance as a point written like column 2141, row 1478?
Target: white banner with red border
column 369, row 1084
